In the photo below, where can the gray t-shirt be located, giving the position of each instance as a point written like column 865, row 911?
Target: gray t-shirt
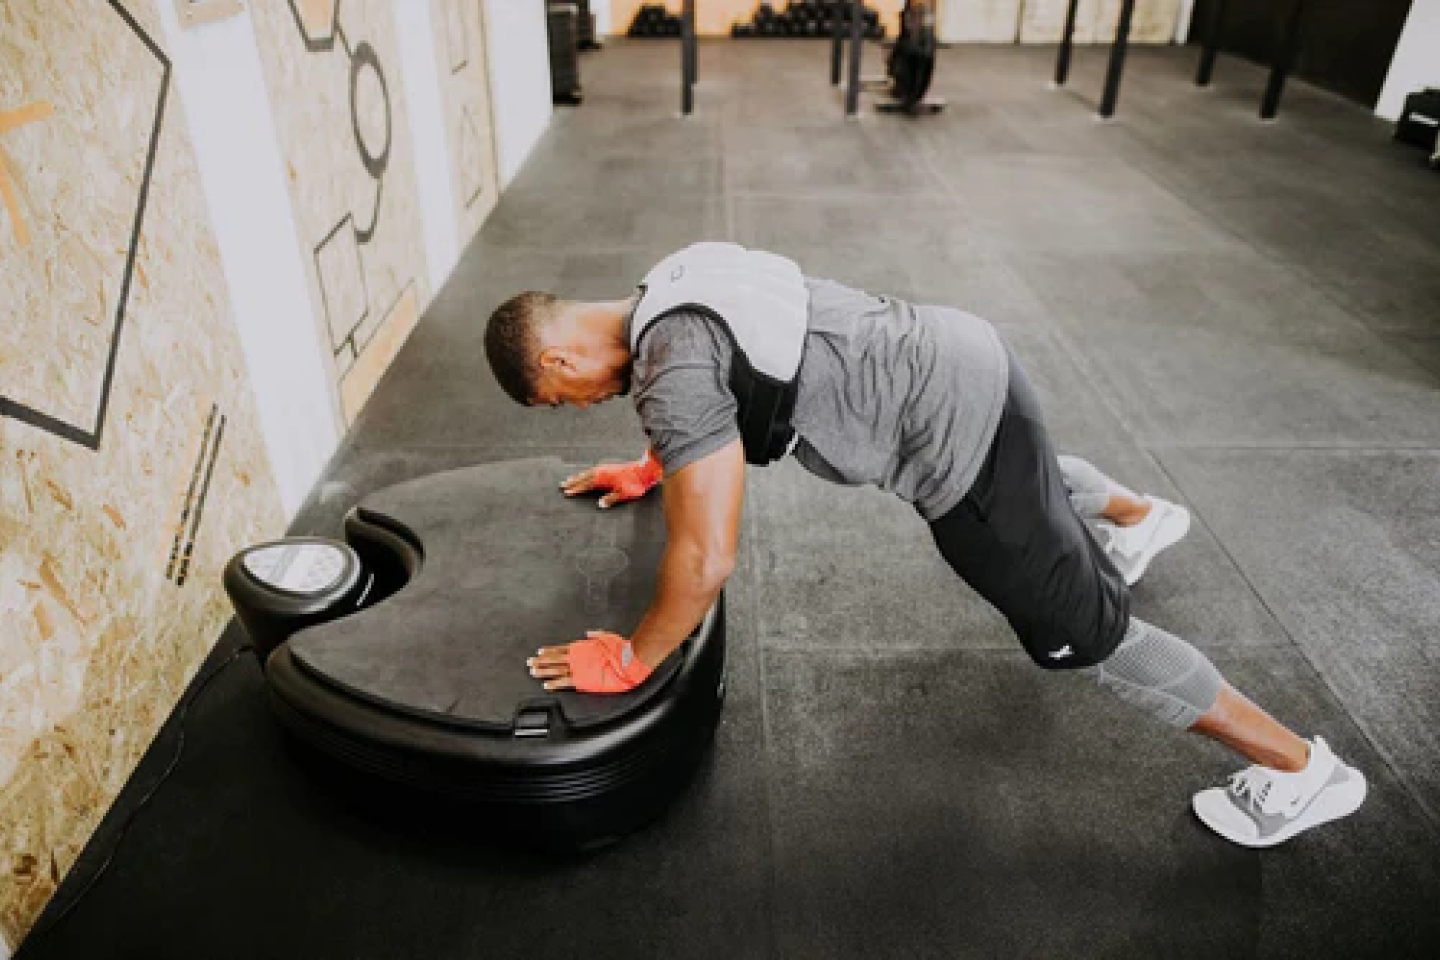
column 907, row 398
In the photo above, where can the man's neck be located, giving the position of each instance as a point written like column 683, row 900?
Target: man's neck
column 605, row 319
column 614, row 316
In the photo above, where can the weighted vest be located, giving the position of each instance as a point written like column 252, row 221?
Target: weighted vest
column 763, row 304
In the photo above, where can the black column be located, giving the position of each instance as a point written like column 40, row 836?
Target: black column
column 1214, row 35
column 694, row 43
column 1062, row 63
column 687, row 41
column 1117, row 60
column 837, row 47
column 857, row 39
column 1284, row 61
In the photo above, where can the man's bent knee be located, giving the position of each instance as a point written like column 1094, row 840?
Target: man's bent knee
column 1161, row 674
column 1054, row 650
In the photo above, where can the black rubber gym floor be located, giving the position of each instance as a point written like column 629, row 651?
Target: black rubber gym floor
column 1242, row 317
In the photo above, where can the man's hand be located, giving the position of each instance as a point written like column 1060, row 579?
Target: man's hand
column 624, row 481
column 601, row 663
column 702, row 523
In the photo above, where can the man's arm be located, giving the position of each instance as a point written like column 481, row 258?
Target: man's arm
column 703, row 503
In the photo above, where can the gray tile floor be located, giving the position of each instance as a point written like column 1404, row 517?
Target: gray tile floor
column 1241, row 316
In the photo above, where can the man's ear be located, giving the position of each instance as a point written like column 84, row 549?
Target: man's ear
column 553, row 358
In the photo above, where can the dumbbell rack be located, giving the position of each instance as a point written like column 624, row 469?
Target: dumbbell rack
column 806, row 18
column 653, row 20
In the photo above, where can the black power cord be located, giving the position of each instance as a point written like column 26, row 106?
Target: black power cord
column 36, row 936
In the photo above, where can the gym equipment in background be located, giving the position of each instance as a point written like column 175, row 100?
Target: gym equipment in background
column 689, row 58
column 1118, row 49
column 400, row 652
column 911, row 64
column 653, row 20
column 589, row 40
column 1419, row 124
column 909, row 68
column 806, row 18
column 1285, row 53
column 562, row 22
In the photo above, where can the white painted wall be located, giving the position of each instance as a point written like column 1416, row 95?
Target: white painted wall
column 1416, row 63
column 979, row 21
column 418, row 66
column 601, row 9
column 519, row 60
column 221, row 87
column 1042, row 21
column 1182, row 22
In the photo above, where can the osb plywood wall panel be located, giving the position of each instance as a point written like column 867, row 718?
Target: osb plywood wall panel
column 469, row 131
column 131, row 465
column 1095, row 21
column 332, row 71
column 1155, row 21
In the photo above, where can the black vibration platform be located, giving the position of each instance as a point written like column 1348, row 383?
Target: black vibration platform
column 400, row 651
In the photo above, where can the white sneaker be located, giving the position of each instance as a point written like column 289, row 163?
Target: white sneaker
column 1262, row 807
column 1132, row 548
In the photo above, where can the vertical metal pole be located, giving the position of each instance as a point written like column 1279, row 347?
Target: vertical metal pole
column 1284, row 61
column 1214, row 33
column 857, row 38
column 694, row 45
column 1117, row 60
column 687, row 37
column 837, row 47
column 1062, row 64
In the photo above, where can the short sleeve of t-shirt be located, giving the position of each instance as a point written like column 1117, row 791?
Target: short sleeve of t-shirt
column 680, row 384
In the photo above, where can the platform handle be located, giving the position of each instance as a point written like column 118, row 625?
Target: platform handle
column 536, row 718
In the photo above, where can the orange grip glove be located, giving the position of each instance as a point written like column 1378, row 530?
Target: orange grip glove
column 605, row 663
column 624, row 481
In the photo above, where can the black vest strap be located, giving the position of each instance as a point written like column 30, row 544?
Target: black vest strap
column 764, row 404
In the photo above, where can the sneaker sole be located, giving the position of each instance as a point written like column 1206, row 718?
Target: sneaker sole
column 1335, row 804
column 1171, row 531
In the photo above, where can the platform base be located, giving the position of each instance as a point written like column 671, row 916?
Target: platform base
column 927, row 107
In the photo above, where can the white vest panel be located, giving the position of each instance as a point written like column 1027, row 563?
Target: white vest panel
column 761, row 297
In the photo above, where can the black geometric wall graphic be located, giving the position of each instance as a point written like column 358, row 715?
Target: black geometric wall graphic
column 320, row 28
column 88, row 435
column 319, row 36
column 339, row 286
column 196, row 494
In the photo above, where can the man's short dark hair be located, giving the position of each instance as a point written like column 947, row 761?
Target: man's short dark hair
column 512, row 343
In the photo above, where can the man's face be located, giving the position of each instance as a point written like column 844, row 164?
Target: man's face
column 581, row 380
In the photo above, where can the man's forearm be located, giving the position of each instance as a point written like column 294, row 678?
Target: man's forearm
column 688, row 584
